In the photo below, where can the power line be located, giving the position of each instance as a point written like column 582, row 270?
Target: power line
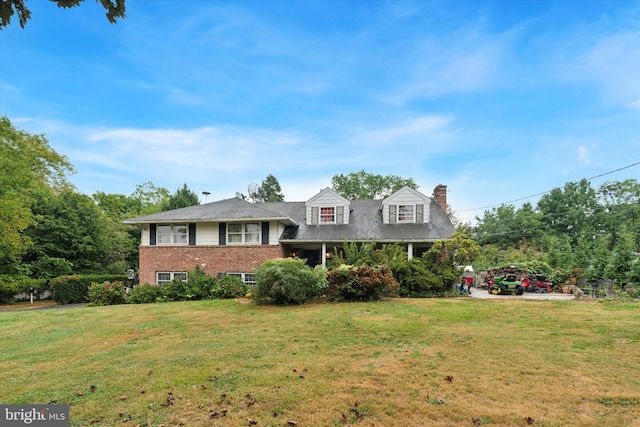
column 545, row 192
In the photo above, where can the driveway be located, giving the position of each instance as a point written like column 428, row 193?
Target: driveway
column 484, row 294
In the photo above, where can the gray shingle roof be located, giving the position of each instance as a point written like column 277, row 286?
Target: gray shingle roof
column 365, row 221
column 233, row 209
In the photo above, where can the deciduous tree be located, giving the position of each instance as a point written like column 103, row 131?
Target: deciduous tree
column 366, row 186
column 115, row 9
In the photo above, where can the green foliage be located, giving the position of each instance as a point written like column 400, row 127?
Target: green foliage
column 11, row 286
column 363, row 283
column 288, row 281
column 228, row 287
column 270, row 191
column 106, row 293
column 144, row 294
column 182, row 198
column 418, row 280
column 115, row 9
column 28, row 166
column 353, row 253
column 72, row 230
column 198, row 285
column 75, row 289
column 366, row 186
column 175, row 290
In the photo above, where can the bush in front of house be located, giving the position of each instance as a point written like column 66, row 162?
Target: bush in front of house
column 75, row 289
column 106, row 293
column 363, row 283
column 228, row 287
column 417, row 280
column 288, row 281
column 144, row 294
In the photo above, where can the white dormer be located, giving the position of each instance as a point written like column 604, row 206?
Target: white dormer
column 327, row 208
column 406, row 206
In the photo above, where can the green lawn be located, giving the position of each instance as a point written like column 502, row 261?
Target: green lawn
column 398, row 362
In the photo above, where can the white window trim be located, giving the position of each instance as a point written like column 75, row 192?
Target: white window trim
column 172, row 234
column 245, row 277
column 172, row 275
column 244, row 234
column 335, row 214
column 413, row 213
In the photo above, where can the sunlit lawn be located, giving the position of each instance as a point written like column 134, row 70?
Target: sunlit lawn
column 398, row 362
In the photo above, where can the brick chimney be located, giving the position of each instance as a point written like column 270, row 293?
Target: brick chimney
column 440, row 194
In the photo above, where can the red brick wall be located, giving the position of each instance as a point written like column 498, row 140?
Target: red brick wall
column 218, row 259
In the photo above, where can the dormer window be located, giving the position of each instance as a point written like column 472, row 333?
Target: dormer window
column 406, row 213
column 328, row 215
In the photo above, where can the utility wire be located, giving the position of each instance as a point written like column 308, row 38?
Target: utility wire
column 548, row 191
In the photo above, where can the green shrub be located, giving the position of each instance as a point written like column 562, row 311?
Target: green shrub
column 417, row 280
column 229, row 287
column 74, row 289
column 288, row 281
column 175, row 290
column 199, row 285
column 106, row 293
column 10, row 286
column 144, row 294
column 349, row 283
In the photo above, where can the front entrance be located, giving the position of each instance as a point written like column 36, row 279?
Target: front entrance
column 312, row 256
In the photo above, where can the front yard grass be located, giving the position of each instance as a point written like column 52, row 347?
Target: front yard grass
column 399, row 362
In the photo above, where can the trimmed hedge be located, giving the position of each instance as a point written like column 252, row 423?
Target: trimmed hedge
column 10, row 286
column 75, row 289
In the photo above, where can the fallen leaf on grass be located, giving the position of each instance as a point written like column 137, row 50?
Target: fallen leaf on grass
column 529, row 420
column 252, row 422
column 449, row 378
column 79, row 393
column 124, row 397
column 92, row 389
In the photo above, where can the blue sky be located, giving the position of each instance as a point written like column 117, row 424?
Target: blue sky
column 498, row 100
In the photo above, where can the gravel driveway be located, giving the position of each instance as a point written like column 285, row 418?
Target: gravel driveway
column 484, row 294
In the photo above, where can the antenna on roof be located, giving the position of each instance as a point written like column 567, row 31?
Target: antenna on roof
column 252, row 189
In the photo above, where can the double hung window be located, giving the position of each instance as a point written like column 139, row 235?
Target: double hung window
column 327, row 215
column 172, row 234
column 406, row 213
column 247, row 233
column 163, row 277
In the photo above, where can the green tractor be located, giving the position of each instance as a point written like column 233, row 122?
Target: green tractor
column 506, row 285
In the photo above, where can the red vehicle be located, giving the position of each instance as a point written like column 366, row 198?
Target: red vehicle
column 536, row 283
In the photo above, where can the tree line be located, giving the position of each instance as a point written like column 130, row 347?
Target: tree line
column 577, row 230
column 49, row 229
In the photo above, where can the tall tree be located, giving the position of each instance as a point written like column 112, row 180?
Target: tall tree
column 148, row 198
column 270, row 191
column 570, row 211
column 182, row 198
column 72, row 236
column 366, row 186
column 115, row 9
column 28, row 166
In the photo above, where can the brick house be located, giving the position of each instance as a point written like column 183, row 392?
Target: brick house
column 234, row 236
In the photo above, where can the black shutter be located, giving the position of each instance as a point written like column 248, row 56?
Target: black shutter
column 222, row 233
column 265, row 233
column 192, row 234
column 152, row 234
